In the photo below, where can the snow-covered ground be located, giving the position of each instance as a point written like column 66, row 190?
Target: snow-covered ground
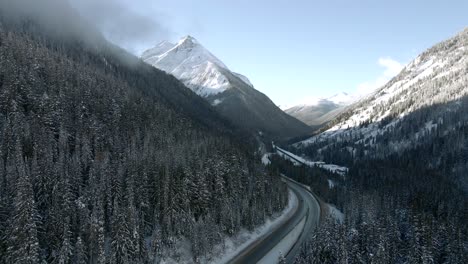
column 335, row 213
column 331, row 184
column 266, row 159
column 298, row 160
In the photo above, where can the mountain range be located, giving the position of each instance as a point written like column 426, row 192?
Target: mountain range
column 316, row 112
column 232, row 94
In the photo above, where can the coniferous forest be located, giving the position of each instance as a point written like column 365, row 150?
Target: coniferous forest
column 107, row 159
column 104, row 159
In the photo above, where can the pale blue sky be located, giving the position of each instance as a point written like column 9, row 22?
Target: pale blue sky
column 293, row 49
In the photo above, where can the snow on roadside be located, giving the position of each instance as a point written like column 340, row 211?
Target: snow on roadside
column 284, row 156
column 234, row 245
column 329, row 167
column 295, row 157
column 335, row 213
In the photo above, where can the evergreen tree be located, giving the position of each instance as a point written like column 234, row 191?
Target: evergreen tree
column 22, row 232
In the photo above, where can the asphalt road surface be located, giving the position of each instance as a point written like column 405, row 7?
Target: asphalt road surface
column 308, row 207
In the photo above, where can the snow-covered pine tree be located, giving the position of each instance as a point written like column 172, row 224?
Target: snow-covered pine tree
column 22, row 229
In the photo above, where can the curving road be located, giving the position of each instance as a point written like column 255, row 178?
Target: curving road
column 308, row 208
column 312, row 212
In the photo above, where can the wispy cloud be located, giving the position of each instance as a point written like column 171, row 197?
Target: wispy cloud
column 123, row 25
column 391, row 69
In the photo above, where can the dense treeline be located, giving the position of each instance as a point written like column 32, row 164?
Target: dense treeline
column 329, row 186
column 394, row 213
column 380, row 229
column 106, row 162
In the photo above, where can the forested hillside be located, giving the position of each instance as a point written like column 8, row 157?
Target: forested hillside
column 423, row 110
column 396, row 210
column 104, row 159
column 406, row 146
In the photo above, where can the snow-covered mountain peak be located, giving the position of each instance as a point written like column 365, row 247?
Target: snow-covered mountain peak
column 190, row 62
column 316, row 111
column 188, row 41
column 339, row 99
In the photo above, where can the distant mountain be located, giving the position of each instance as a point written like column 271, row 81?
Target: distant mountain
column 423, row 105
column 317, row 112
column 232, row 94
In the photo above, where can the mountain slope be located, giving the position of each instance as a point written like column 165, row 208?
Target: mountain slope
column 232, row 94
column 318, row 112
column 438, row 76
column 418, row 120
column 105, row 159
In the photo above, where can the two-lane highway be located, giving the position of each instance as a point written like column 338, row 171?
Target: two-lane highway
column 313, row 217
column 308, row 208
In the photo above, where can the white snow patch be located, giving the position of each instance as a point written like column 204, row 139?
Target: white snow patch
column 331, row 184
column 266, row 159
column 335, row 169
column 216, row 102
column 335, row 213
